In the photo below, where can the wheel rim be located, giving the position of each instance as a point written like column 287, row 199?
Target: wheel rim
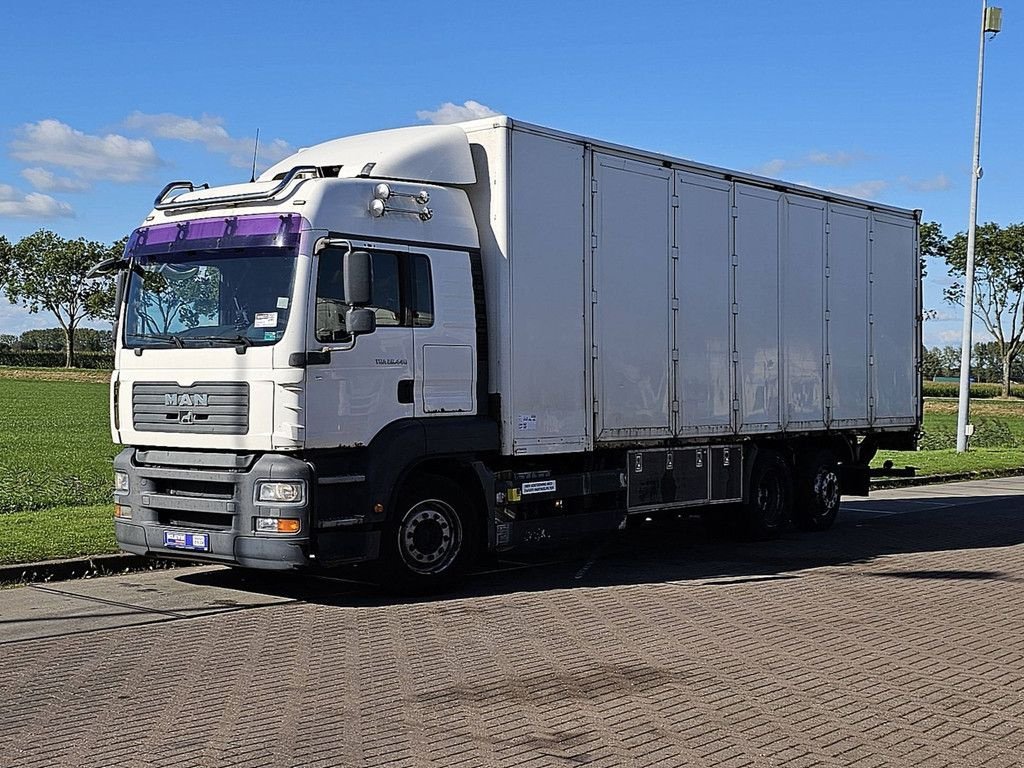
column 429, row 536
column 769, row 499
column 826, row 490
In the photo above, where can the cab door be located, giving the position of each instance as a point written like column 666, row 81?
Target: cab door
column 357, row 385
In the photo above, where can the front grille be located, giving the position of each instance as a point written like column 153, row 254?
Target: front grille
column 190, row 518
column 220, row 408
column 194, row 489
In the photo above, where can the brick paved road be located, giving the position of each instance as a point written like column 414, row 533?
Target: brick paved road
column 895, row 639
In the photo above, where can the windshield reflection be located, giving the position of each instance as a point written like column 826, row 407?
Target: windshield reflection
column 236, row 296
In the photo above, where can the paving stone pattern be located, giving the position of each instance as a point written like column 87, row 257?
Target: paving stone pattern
column 897, row 639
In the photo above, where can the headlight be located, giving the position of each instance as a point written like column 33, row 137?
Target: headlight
column 281, row 492
column 120, row 482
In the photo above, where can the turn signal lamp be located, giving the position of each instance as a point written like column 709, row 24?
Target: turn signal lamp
column 277, row 525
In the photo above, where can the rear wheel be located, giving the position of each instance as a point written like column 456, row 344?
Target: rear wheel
column 770, row 498
column 431, row 539
column 818, row 493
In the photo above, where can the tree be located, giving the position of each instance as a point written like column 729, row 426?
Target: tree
column 931, row 364
column 932, row 242
column 45, row 271
column 998, row 286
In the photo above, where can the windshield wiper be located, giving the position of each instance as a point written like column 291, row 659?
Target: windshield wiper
column 175, row 340
column 240, row 342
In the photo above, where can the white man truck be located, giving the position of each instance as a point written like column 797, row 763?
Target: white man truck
column 415, row 345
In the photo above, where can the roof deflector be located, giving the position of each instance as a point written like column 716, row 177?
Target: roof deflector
column 429, row 153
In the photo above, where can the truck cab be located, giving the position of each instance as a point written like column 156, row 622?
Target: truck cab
column 277, row 340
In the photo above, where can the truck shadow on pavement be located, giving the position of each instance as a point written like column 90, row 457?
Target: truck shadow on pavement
column 683, row 549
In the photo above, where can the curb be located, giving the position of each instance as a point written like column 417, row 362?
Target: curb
column 79, row 568
column 951, row 477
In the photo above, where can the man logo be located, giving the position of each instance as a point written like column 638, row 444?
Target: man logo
column 184, row 399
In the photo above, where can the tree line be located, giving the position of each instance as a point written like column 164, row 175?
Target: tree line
column 54, row 340
column 986, row 363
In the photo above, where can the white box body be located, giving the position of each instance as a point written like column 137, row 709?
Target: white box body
column 635, row 298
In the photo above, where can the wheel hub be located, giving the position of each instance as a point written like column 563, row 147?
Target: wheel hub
column 430, row 536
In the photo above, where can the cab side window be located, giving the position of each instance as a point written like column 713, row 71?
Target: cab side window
column 422, row 303
column 386, row 299
column 402, row 293
column 330, row 297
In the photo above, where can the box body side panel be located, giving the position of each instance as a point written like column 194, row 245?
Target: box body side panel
column 802, row 291
column 632, row 274
column 757, row 300
column 547, row 400
column 703, row 327
column 848, row 316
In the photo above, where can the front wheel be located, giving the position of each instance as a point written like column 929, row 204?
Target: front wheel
column 431, row 538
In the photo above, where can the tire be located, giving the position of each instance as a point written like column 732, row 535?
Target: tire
column 769, row 499
column 817, row 493
column 432, row 538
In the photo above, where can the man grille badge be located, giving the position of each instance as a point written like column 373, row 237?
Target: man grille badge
column 186, row 417
column 190, row 399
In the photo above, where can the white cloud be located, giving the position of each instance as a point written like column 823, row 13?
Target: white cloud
column 772, row 167
column 209, row 131
column 938, row 183
column 48, row 181
column 943, row 316
column 454, row 113
column 112, row 157
column 778, row 165
column 862, row 189
column 31, row 205
column 830, row 158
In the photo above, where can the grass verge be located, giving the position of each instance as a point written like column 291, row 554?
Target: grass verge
column 947, row 461
column 57, row 533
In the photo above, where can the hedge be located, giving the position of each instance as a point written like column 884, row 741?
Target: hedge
column 37, row 359
column 981, row 391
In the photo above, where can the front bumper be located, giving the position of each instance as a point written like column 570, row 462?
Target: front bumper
column 213, row 494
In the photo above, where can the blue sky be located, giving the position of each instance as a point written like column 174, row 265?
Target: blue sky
column 106, row 102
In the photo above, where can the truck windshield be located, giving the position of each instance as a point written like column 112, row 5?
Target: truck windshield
column 211, row 282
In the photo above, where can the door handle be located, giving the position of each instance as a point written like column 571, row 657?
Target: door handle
column 405, row 391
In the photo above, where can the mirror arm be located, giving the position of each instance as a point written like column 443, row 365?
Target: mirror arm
column 329, row 242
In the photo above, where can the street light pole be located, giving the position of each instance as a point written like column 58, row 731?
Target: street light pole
column 990, row 22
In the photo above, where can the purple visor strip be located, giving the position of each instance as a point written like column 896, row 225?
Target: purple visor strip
column 266, row 230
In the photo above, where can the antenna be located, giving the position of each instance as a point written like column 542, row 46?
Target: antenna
column 254, row 151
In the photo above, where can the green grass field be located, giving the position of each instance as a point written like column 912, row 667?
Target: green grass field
column 55, row 446
column 56, row 454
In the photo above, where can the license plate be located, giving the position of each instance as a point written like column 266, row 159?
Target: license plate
column 197, row 542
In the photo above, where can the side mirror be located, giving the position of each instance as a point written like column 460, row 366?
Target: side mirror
column 360, row 320
column 358, row 279
column 107, row 266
